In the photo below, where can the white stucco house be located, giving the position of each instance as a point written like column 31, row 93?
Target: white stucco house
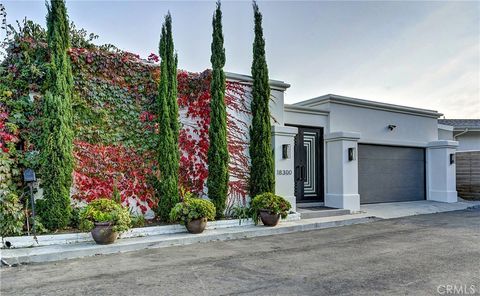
column 465, row 131
column 342, row 152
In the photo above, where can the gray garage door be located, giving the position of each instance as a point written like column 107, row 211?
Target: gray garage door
column 389, row 174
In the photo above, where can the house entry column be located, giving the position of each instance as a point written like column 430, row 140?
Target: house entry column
column 342, row 170
column 283, row 141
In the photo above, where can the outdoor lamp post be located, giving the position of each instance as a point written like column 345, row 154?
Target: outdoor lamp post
column 30, row 178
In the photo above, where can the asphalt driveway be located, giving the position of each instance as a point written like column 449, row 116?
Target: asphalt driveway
column 420, row 255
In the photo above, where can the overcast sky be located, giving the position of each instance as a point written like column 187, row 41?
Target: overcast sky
column 420, row 54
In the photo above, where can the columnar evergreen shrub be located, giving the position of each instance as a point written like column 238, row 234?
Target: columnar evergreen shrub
column 262, row 178
column 217, row 181
column 56, row 144
column 168, row 151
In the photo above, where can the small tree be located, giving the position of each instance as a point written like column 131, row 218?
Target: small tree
column 262, row 178
column 217, row 181
column 168, row 152
column 56, row 143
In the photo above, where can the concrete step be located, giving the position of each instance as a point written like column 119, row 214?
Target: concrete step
column 320, row 212
column 310, row 204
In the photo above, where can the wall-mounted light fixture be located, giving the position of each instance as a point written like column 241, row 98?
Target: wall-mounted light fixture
column 286, row 151
column 452, row 158
column 391, row 127
column 352, row 154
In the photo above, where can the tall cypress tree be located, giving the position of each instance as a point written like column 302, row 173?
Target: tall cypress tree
column 56, row 143
column 168, row 152
column 217, row 181
column 262, row 178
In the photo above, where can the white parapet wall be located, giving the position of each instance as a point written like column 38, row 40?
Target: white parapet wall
column 441, row 182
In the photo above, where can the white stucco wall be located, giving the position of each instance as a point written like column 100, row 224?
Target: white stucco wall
column 441, row 182
column 445, row 132
column 276, row 106
column 372, row 124
column 469, row 141
column 284, row 166
column 342, row 173
column 304, row 117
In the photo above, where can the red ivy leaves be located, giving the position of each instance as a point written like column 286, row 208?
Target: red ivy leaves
column 6, row 137
column 100, row 167
column 153, row 58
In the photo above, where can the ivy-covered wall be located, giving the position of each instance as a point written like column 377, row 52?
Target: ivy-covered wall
column 114, row 121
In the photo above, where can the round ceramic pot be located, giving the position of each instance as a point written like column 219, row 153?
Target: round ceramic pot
column 103, row 233
column 268, row 218
column 197, row 225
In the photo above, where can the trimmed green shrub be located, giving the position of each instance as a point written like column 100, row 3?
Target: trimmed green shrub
column 273, row 203
column 56, row 144
column 217, row 181
column 105, row 210
column 191, row 209
column 11, row 214
column 137, row 220
column 75, row 217
column 262, row 176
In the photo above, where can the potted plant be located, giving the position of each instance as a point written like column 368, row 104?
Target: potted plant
column 193, row 213
column 269, row 208
column 105, row 219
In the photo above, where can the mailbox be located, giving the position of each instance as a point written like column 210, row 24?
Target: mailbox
column 29, row 176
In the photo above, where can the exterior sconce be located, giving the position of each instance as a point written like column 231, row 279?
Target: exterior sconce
column 352, row 155
column 452, row 158
column 391, row 127
column 286, row 151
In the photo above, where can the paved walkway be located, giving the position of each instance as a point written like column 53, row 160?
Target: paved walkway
column 418, row 255
column 410, row 208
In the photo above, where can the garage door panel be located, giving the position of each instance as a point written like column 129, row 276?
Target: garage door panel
column 390, row 153
column 389, row 174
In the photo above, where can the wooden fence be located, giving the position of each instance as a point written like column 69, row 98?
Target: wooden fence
column 468, row 174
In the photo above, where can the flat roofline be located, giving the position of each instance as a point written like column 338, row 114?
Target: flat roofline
column 305, row 110
column 278, row 84
column 331, row 98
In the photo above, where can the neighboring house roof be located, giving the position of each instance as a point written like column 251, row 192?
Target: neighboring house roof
column 461, row 124
column 331, row 98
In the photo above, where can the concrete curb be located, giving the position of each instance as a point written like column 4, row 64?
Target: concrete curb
column 73, row 238
column 85, row 249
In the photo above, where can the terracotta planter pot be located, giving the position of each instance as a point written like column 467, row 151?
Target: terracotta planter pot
column 103, row 233
column 268, row 218
column 197, row 225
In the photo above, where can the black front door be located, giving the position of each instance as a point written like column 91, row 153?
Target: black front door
column 309, row 164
